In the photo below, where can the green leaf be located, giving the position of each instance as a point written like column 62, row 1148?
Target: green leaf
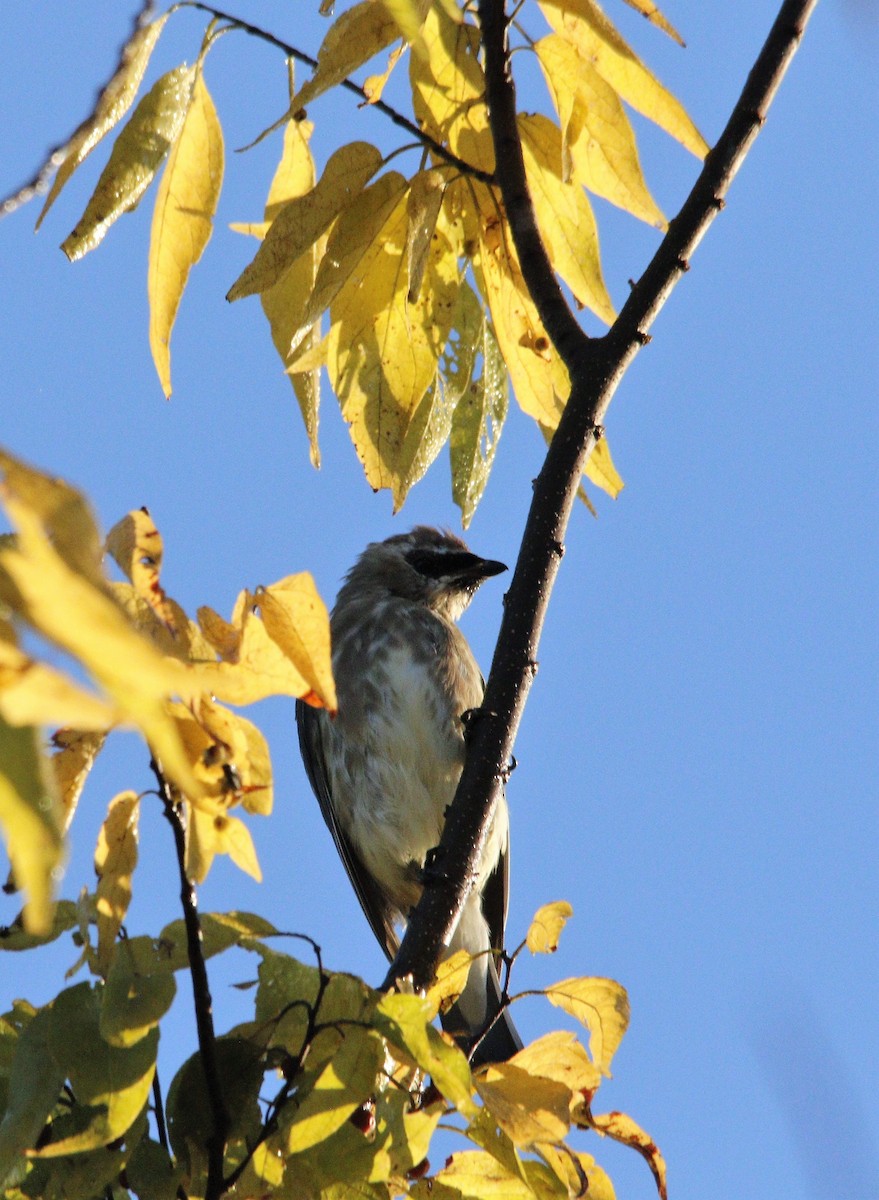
column 345, row 1082
column 481, row 409
column 31, row 823
column 34, row 1084
column 190, row 1123
column 136, row 156
column 113, row 103
column 406, row 1022
column 151, row 1174
column 219, row 932
column 16, row 937
column 133, row 1001
column 111, row 1083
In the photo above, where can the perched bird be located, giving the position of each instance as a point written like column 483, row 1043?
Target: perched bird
column 386, row 767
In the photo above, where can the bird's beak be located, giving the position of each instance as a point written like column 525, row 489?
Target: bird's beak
column 484, row 568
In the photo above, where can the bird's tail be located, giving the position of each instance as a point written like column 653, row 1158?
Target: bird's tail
column 489, row 1035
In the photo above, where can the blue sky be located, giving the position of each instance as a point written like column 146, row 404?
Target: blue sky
column 697, row 763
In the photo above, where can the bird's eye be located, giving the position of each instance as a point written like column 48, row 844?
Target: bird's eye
column 439, row 564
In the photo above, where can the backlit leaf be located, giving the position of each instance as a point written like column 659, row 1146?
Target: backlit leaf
column 182, row 219
column 75, row 753
column 405, row 1022
column 303, row 218
column 136, row 545
column 598, row 144
column 529, row 1108
column 111, row 1083
column 209, row 834
column 134, row 1000
column 584, row 24
column 423, row 204
column 353, row 38
column 296, row 619
column 473, row 1173
column 600, row 469
column 481, row 409
column 136, row 156
column 351, row 238
column 602, row 1006
column 228, row 753
column 623, row 1129
column 32, row 693
column 546, row 927
column 649, row 10
column 35, row 1080
column 284, row 302
column 564, row 216
column 409, row 15
column 539, row 378
column 113, row 103
column 341, row 1087
column 560, row 1056
column 31, row 822
column 115, row 860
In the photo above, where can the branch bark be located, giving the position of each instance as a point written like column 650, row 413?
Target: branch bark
column 596, row 367
column 201, row 993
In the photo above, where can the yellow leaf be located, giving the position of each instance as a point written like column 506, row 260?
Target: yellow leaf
column 649, row 10
column 600, row 469
column 598, row 144
column 136, row 156
column 296, row 619
column 311, row 358
column 383, row 354
column 136, row 545
column 228, row 754
column 449, row 981
column 409, row 16
column 75, row 753
column 303, row 218
column 423, row 204
column 584, row 24
column 529, row 1108
column 353, row 39
column 539, row 378
column 623, row 1129
column 374, row 85
column 224, row 636
column 259, row 666
column 448, row 87
column 115, row 860
column 578, row 1173
column 31, row 823
column 602, row 1006
column 182, row 219
column 560, row 1056
column 212, row 833
column 284, row 303
column 34, row 694
column 63, row 511
column 473, row 1173
column 82, row 619
column 113, row 103
column 546, row 927
column 352, row 236
column 564, row 216
column 405, row 1022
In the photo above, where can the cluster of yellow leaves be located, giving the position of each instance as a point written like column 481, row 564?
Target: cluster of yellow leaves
column 389, row 258
column 151, row 668
column 345, row 1065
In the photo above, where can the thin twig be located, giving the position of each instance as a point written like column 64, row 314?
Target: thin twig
column 204, row 1019
column 398, row 118
column 596, row 367
column 159, row 1109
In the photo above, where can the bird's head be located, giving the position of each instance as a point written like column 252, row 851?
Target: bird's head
column 429, row 566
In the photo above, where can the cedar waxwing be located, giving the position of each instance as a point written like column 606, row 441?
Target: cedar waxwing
column 386, row 766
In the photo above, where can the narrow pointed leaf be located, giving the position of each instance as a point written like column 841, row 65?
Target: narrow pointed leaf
column 623, row 1129
column 30, row 820
column 477, row 422
column 599, row 42
column 600, row 469
column 113, row 103
column 115, row 860
column 182, row 219
column 649, row 10
column 564, row 216
column 353, row 39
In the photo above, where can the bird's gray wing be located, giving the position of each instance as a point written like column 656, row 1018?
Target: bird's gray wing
column 374, row 903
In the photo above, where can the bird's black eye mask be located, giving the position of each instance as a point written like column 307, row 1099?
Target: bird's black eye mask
column 444, row 564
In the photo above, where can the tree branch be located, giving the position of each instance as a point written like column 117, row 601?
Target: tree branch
column 201, row 993
column 596, row 367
